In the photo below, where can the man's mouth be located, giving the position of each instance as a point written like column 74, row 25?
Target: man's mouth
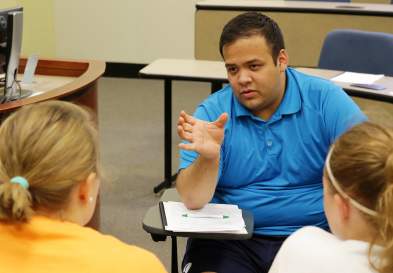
column 248, row 93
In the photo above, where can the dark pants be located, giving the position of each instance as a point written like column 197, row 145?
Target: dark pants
column 229, row 256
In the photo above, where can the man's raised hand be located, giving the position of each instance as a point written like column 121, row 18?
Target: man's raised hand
column 204, row 137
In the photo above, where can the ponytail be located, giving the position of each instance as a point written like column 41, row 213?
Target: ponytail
column 385, row 208
column 15, row 202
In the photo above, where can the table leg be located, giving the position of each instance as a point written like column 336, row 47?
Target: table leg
column 167, row 183
column 174, row 265
column 215, row 86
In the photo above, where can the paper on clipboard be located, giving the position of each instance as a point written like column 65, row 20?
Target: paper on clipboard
column 204, row 220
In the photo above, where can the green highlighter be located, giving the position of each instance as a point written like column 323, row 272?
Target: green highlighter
column 214, row 216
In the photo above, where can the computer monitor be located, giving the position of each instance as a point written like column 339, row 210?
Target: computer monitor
column 11, row 28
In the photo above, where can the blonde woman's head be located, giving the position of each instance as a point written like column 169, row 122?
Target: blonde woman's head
column 359, row 168
column 52, row 145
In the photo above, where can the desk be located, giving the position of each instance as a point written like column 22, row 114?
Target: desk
column 385, row 95
column 304, row 24
column 215, row 72
column 185, row 70
column 153, row 225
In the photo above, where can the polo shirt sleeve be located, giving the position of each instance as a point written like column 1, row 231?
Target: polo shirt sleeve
column 340, row 112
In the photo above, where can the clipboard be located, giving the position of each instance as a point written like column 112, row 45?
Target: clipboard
column 162, row 214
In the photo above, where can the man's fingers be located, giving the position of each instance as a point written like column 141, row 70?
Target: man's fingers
column 184, row 134
column 180, row 121
column 187, row 146
column 222, row 119
column 187, row 127
column 187, row 118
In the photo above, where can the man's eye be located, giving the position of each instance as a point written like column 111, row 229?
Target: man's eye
column 255, row 66
column 231, row 70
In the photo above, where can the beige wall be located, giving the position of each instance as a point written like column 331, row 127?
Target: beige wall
column 7, row 3
column 38, row 28
column 134, row 31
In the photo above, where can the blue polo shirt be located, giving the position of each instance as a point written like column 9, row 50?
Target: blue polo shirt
column 274, row 167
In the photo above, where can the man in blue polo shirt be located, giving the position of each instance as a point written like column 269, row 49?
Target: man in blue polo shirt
column 259, row 142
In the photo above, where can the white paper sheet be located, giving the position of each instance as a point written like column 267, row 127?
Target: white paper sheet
column 352, row 77
column 177, row 221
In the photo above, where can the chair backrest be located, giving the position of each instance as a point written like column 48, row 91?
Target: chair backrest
column 358, row 51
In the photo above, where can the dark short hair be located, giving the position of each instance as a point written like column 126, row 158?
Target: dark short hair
column 253, row 23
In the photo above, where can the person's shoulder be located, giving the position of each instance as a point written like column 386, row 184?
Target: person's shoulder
column 320, row 94
column 312, row 84
column 216, row 104
column 136, row 259
column 142, row 260
column 301, row 252
column 309, row 235
column 220, row 98
column 114, row 252
column 310, row 242
column 311, row 249
column 305, row 250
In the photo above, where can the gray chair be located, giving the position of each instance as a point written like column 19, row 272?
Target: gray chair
column 358, row 51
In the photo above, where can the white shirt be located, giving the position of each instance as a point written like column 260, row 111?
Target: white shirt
column 312, row 250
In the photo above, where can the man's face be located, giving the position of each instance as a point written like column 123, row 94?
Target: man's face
column 257, row 82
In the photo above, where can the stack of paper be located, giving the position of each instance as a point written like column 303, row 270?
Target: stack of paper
column 361, row 78
column 219, row 218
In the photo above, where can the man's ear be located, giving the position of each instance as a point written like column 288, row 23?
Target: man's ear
column 344, row 209
column 282, row 60
column 86, row 187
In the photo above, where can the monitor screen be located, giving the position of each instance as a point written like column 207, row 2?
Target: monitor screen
column 11, row 25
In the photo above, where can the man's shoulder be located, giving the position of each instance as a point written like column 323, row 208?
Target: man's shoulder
column 222, row 95
column 317, row 92
column 310, row 83
column 218, row 102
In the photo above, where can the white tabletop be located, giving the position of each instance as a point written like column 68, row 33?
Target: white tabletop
column 304, row 5
column 201, row 70
column 328, row 74
column 185, row 69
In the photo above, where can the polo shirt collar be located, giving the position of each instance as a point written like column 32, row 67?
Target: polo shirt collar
column 240, row 110
column 291, row 102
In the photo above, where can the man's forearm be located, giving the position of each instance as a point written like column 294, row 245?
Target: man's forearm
column 197, row 183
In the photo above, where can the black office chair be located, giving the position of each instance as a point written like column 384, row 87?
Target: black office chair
column 358, row 51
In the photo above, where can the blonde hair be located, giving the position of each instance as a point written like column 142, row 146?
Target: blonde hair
column 361, row 161
column 53, row 146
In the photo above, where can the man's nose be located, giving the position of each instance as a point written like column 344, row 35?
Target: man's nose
column 244, row 76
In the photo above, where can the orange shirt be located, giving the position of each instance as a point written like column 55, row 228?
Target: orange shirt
column 51, row 246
